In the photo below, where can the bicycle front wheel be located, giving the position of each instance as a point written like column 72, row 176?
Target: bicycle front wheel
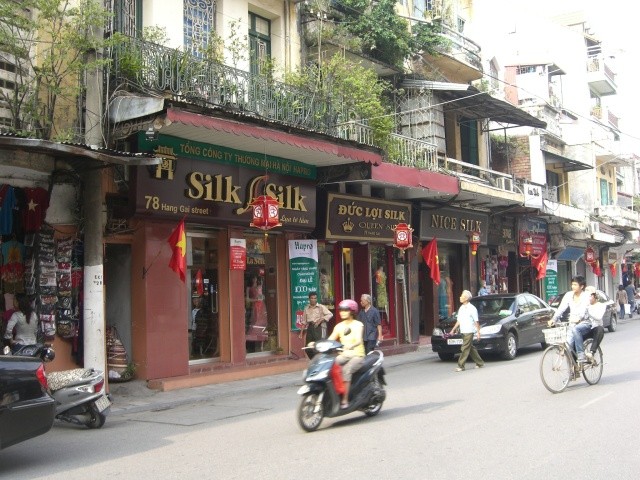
column 555, row 369
column 592, row 371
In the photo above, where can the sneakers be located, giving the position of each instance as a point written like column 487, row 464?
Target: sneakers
column 480, row 366
column 582, row 358
column 589, row 356
column 459, row 369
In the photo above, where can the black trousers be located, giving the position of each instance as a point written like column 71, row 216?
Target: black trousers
column 597, row 333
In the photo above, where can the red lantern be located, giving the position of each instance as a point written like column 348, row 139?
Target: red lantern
column 612, row 268
column 474, row 241
column 526, row 243
column 596, row 268
column 589, row 255
column 402, row 238
column 265, row 213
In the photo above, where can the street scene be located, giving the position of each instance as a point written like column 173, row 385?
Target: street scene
column 496, row 422
column 395, row 238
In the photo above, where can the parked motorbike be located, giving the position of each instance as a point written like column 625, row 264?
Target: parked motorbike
column 79, row 393
column 319, row 395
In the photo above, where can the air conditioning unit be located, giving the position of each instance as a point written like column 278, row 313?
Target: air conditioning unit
column 593, row 227
column 505, row 183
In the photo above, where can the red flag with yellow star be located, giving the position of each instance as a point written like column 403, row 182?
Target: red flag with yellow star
column 541, row 264
column 178, row 242
column 430, row 255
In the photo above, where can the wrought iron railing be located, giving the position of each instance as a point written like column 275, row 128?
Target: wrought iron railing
column 152, row 67
column 462, row 45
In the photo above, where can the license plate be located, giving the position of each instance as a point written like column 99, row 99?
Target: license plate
column 454, row 341
column 102, row 403
column 303, row 389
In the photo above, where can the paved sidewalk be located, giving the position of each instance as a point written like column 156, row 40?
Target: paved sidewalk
column 135, row 396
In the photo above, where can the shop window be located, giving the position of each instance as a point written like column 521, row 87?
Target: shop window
column 446, row 305
column 261, row 323
column 202, row 272
column 347, row 273
column 325, row 265
column 379, row 280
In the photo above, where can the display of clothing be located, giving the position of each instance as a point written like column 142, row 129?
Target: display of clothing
column 35, row 208
column 13, row 259
column 381, row 289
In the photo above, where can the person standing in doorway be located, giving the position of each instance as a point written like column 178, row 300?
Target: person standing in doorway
column 370, row 317
column 314, row 318
column 467, row 323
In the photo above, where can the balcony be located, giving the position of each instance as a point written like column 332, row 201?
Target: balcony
column 154, row 69
column 460, row 59
column 618, row 217
column 600, row 77
column 605, row 116
column 559, row 212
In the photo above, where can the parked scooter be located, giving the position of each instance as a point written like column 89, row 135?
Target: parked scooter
column 79, row 393
column 319, row 395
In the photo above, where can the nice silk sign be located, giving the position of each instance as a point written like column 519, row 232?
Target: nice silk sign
column 303, row 268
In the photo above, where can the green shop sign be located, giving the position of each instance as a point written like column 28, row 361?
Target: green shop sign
column 214, row 153
column 303, row 268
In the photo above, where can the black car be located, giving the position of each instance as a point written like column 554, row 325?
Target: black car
column 508, row 321
column 610, row 319
column 26, row 409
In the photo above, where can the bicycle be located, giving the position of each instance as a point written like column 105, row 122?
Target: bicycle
column 558, row 365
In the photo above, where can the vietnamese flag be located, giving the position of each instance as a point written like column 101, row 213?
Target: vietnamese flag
column 178, row 242
column 430, row 254
column 541, row 264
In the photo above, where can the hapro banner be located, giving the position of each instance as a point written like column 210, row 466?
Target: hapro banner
column 303, row 268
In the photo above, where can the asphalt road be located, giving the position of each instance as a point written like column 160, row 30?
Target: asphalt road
column 498, row 422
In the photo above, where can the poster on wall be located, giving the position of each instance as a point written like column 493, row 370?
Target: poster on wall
column 551, row 280
column 303, row 271
column 237, row 254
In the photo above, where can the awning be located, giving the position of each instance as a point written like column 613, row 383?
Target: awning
column 76, row 152
column 254, row 138
column 570, row 254
column 564, row 163
column 471, row 103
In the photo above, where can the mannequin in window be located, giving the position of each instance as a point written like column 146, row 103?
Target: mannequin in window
column 255, row 301
column 382, row 301
column 325, row 287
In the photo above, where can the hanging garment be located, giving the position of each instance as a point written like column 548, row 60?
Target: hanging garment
column 7, row 204
column 36, row 204
column 13, row 253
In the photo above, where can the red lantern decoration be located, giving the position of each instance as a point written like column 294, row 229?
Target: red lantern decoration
column 612, row 268
column 402, row 238
column 589, row 255
column 526, row 244
column 595, row 266
column 265, row 213
column 474, row 241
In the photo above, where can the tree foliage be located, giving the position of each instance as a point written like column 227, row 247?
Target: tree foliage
column 47, row 44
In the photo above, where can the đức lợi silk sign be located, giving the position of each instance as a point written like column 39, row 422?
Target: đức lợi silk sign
column 303, row 268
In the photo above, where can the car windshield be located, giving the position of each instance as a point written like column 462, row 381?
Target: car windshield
column 501, row 306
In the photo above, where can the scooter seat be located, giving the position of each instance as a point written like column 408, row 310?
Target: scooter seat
column 58, row 380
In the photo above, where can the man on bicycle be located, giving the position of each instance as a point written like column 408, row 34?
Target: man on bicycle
column 577, row 301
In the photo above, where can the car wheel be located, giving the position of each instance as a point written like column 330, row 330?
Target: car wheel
column 511, row 350
column 613, row 326
column 447, row 357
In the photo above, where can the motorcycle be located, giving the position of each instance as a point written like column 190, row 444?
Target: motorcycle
column 79, row 393
column 320, row 398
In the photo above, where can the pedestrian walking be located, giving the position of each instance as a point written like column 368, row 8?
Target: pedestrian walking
column 467, row 323
column 314, row 318
column 622, row 298
column 631, row 298
column 370, row 317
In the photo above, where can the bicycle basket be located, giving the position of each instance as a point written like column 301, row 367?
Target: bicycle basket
column 556, row 335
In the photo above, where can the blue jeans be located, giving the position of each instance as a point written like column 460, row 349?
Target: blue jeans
column 576, row 337
column 621, row 310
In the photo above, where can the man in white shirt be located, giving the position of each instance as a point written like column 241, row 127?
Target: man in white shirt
column 467, row 322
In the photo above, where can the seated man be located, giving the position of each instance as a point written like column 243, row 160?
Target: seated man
column 596, row 311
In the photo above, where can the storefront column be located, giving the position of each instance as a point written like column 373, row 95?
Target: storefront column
column 93, row 309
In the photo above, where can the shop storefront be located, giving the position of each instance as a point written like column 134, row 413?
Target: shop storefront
column 234, row 305
column 498, row 260
column 532, row 243
column 356, row 256
column 453, row 230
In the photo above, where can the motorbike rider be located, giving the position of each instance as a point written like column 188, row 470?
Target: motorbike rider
column 349, row 332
